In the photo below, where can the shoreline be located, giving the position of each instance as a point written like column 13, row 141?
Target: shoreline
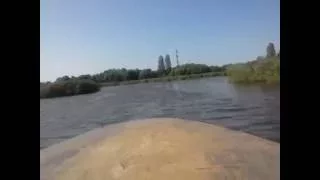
column 172, row 79
column 142, row 81
column 165, row 79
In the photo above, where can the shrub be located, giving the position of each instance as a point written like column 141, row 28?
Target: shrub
column 86, row 86
column 258, row 71
column 68, row 88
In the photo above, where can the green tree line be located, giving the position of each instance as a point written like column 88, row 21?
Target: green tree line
column 86, row 83
column 164, row 69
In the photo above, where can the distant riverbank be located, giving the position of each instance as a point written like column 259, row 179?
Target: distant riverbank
column 166, row 79
column 260, row 71
column 76, row 87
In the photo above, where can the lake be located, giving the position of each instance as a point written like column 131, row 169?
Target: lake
column 254, row 109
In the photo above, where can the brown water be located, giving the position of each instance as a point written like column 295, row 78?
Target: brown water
column 253, row 109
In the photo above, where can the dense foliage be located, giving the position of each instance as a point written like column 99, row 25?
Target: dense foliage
column 113, row 76
column 68, row 87
column 262, row 70
column 187, row 69
column 258, row 71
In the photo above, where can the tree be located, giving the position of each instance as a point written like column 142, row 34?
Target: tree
column 133, row 74
column 168, row 63
column 271, row 52
column 85, row 76
column 216, row 69
column 260, row 58
column 145, row 73
column 161, row 67
column 64, row 78
column 192, row 68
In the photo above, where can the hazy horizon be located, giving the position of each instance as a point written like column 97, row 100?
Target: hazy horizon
column 88, row 37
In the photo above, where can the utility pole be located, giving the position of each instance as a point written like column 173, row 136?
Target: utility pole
column 177, row 58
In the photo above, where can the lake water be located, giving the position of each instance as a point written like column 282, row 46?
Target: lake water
column 253, row 109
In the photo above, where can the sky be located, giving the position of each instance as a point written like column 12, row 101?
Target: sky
column 90, row 36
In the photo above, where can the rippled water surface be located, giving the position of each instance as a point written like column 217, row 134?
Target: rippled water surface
column 253, row 109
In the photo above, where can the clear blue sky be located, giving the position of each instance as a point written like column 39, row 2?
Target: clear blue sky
column 90, row 36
